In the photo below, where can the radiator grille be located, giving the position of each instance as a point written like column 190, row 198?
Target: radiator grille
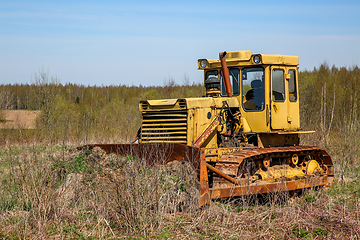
column 164, row 126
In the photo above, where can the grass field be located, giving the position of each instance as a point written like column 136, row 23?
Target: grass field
column 48, row 192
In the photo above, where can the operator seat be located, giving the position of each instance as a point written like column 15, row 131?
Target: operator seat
column 258, row 87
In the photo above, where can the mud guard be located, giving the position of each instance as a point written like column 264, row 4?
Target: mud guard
column 204, row 181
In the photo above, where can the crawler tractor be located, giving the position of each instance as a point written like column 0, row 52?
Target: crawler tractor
column 242, row 137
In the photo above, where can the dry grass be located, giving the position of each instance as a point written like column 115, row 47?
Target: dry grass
column 51, row 193
column 48, row 192
column 19, row 119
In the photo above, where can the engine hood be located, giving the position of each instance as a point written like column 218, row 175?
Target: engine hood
column 187, row 103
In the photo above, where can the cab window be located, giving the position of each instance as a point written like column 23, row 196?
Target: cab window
column 278, row 85
column 253, row 93
column 292, row 86
column 234, row 74
column 214, row 73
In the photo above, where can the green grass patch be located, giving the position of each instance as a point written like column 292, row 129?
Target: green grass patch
column 300, row 232
column 320, row 232
column 7, row 204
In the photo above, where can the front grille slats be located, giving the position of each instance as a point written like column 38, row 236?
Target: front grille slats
column 168, row 141
column 163, row 120
column 166, row 115
column 171, row 134
column 171, row 130
column 164, row 126
column 162, row 138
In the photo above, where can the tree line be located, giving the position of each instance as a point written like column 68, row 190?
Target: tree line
column 329, row 100
column 81, row 113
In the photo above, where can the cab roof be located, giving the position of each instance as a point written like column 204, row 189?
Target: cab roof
column 244, row 58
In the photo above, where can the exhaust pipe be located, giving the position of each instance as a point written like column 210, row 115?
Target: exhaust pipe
column 225, row 72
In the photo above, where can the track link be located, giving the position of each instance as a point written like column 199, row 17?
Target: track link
column 249, row 166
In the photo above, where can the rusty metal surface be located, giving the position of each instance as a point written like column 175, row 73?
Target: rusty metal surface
column 153, row 153
column 226, row 76
column 267, row 187
column 208, row 131
column 221, row 174
column 260, row 153
column 204, row 197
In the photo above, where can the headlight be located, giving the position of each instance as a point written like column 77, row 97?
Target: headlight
column 257, row 59
column 203, row 63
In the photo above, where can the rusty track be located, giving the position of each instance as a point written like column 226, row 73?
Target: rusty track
column 230, row 165
column 259, row 153
column 238, row 190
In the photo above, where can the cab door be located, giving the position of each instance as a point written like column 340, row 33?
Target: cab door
column 278, row 102
column 254, row 99
column 293, row 118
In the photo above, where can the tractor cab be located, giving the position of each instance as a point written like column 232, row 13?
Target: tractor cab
column 265, row 86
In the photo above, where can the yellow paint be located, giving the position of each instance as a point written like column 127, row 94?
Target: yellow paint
column 280, row 117
column 213, row 154
column 312, row 166
column 285, row 171
column 295, row 159
column 244, row 58
column 245, row 125
column 163, row 102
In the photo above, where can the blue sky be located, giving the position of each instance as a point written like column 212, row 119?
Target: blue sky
column 149, row 42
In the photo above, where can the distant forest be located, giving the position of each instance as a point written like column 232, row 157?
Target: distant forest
column 329, row 100
column 86, row 113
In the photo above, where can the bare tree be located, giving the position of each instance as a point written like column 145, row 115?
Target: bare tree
column 5, row 99
column 5, row 103
column 46, row 87
column 45, row 94
column 186, row 80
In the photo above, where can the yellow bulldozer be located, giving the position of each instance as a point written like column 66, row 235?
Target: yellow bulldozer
column 242, row 137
